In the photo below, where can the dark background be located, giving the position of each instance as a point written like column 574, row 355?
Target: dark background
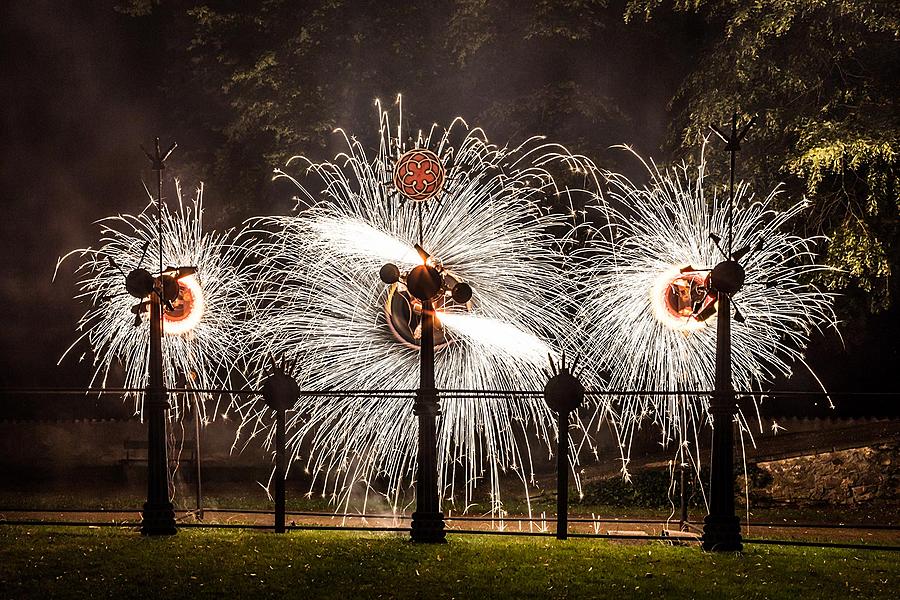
column 84, row 85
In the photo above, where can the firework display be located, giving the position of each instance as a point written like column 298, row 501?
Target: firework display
column 332, row 299
column 203, row 324
column 332, row 291
column 647, row 300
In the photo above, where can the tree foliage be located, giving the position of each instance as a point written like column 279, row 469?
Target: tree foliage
column 264, row 81
column 259, row 82
column 823, row 79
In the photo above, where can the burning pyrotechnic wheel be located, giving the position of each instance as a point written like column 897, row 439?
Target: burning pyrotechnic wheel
column 404, row 310
column 490, row 235
column 203, row 303
column 657, row 277
column 186, row 310
column 682, row 299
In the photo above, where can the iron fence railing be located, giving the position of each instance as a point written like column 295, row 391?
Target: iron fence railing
column 459, row 522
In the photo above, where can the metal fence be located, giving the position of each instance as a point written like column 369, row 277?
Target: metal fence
column 56, row 447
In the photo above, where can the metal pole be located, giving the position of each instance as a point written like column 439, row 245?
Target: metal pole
column 158, row 167
column 562, row 477
column 733, row 150
column 198, row 489
column 684, row 506
column 721, row 529
column 158, row 517
column 428, row 520
column 279, row 471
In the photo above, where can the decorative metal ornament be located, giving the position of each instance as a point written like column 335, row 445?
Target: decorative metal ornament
column 419, row 175
column 563, row 394
column 403, row 308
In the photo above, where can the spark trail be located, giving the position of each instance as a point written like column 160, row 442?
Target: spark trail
column 204, row 330
column 323, row 304
column 638, row 332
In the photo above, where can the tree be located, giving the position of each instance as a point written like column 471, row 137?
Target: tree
column 823, row 79
column 259, row 82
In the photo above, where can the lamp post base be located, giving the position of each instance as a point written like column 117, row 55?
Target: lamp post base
column 428, row 528
column 722, row 534
column 158, row 519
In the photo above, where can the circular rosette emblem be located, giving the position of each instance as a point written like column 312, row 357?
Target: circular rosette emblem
column 419, row 175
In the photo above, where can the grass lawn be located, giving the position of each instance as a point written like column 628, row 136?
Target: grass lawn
column 43, row 562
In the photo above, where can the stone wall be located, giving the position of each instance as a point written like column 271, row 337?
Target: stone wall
column 855, row 476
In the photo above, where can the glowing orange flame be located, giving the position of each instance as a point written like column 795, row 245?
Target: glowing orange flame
column 187, row 309
column 672, row 299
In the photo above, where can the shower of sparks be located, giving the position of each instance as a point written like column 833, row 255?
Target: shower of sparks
column 204, row 337
column 644, row 236
column 323, row 304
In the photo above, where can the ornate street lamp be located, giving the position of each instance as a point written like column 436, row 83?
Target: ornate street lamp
column 721, row 527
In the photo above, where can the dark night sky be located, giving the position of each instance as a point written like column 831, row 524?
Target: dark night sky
column 79, row 95
column 75, row 110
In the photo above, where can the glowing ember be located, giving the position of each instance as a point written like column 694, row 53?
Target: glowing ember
column 681, row 301
column 187, row 309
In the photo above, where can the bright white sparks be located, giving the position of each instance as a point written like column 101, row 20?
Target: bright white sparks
column 634, row 343
column 205, row 337
column 497, row 336
column 313, row 296
column 358, row 240
column 324, row 304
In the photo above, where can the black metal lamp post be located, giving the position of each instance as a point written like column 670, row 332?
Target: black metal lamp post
column 280, row 392
column 721, row 527
column 563, row 393
column 158, row 517
column 424, row 282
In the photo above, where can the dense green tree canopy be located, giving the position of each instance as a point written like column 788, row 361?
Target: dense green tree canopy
column 823, row 79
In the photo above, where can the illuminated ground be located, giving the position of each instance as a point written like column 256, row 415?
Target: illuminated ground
column 118, row 563
column 237, row 504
